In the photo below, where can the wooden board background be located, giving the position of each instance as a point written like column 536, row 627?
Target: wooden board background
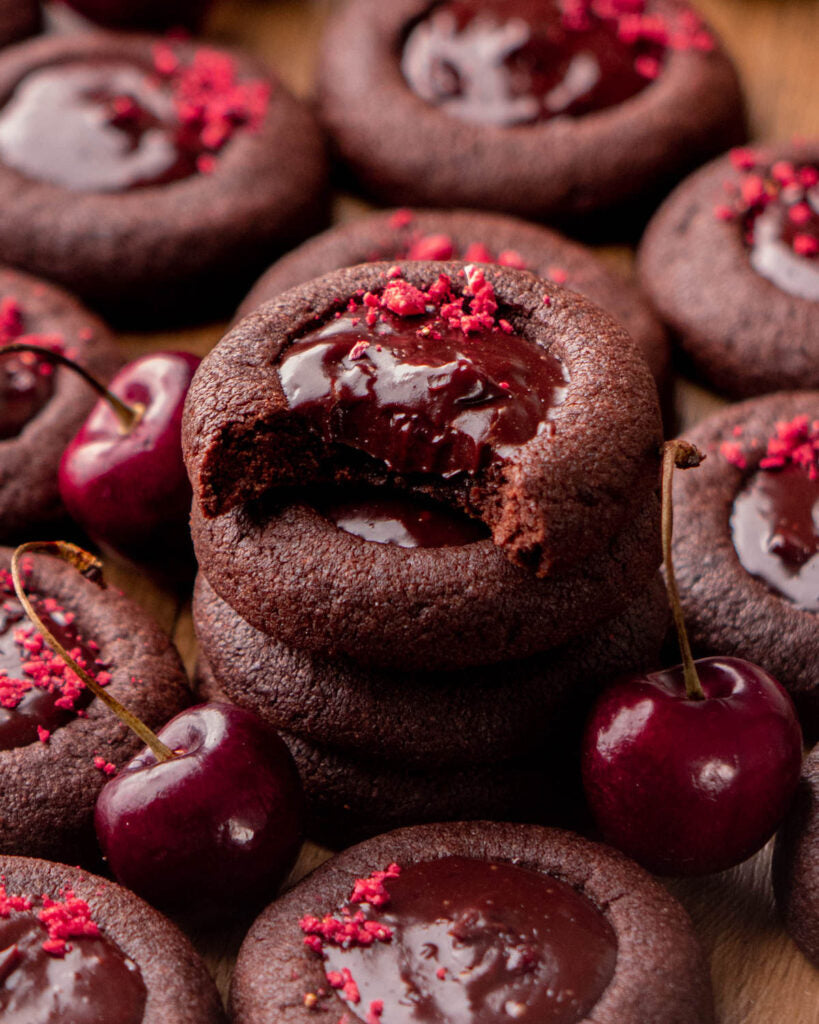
column 759, row 975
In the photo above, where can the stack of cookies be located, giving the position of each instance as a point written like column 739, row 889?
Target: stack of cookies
column 427, row 525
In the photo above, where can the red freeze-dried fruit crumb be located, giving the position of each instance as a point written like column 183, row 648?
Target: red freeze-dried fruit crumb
column 805, row 245
column 211, row 101
column 352, row 929
column 760, row 186
column 401, row 219
column 106, row 767
column 432, row 247
column 477, row 252
column 9, row 904
column 796, row 444
column 648, row 67
column 473, row 312
column 441, row 973
column 372, row 890
column 558, row 275
column 743, row 159
column 41, row 667
column 43, row 734
column 510, row 258
column 65, row 920
column 375, row 1011
column 404, row 299
column 732, row 451
column 343, row 980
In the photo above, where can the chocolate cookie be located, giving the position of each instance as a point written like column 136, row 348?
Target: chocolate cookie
column 617, row 949
column 731, row 262
column 796, row 863
column 57, row 745
column 746, row 543
column 542, row 109
column 291, row 573
column 425, row 719
column 531, row 410
column 350, row 798
column 194, row 166
column 42, row 408
column 87, row 950
column 18, row 19
column 482, row 237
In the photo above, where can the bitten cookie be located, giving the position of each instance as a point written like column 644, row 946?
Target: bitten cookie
column 154, row 178
column 555, row 926
column 42, row 408
column 528, row 408
column 95, row 951
column 293, row 574
column 796, row 863
column 543, row 109
column 57, row 744
column 746, row 544
column 483, row 238
column 426, row 719
column 731, row 263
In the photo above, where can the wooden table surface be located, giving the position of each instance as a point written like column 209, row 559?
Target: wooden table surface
column 759, row 975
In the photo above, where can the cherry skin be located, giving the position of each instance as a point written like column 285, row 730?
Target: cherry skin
column 213, row 829
column 129, row 488
column 687, row 786
column 144, row 14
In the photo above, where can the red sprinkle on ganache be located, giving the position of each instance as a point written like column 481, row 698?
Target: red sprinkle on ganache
column 352, row 928
column 64, row 919
column 211, row 102
column 38, row 691
column 636, row 23
column 777, row 208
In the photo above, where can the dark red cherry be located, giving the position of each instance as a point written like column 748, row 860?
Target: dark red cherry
column 144, row 14
column 215, row 827
column 126, row 485
column 692, row 769
column 688, row 786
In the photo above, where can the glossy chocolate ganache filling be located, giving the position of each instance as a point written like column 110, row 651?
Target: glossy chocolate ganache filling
column 509, row 62
column 407, row 521
column 107, row 124
column 56, row 967
column 775, row 529
column 425, row 382
column 465, row 941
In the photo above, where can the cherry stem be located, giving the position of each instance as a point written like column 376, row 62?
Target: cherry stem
column 678, row 455
column 128, row 415
column 90, row 567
